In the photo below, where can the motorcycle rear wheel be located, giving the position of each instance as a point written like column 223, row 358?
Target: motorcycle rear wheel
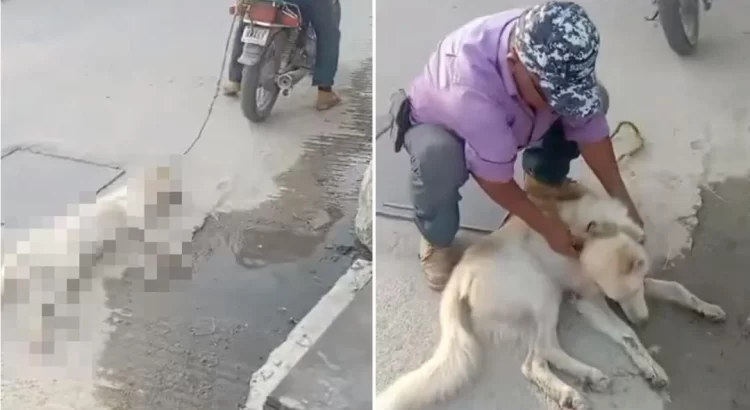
column 680, row 20
column 258, row 89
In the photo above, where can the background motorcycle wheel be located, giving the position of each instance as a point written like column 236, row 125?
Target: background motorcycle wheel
column 254, row 108
column 680, row 20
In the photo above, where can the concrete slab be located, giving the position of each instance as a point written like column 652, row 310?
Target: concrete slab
column 336, row 371
column 38, row 187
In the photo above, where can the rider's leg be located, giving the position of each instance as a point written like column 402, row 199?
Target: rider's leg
column 321, row 15
column 234, row 74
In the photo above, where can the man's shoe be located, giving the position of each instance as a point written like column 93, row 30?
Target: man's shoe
column 231, row 88
column 437, row 264
column 327, row 100
column 569, row 189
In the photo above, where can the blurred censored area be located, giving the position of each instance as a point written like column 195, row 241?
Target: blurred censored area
column 52, row 279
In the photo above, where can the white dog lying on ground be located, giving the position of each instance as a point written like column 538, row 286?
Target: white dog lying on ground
column 510, row 283
column 136, row 226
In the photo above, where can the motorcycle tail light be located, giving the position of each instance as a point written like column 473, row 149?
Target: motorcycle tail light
column 263, row 12
column 238, row 9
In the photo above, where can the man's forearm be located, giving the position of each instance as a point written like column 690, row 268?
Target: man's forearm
column 600, row 157
column 514, row 200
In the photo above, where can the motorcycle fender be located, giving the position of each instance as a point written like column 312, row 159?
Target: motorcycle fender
column 251, row 54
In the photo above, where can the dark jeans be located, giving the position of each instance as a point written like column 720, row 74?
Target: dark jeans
column 438, row 171
column 325, row 21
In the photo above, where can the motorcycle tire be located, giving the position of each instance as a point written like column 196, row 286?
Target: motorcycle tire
column 251, row 80
column 672, row 23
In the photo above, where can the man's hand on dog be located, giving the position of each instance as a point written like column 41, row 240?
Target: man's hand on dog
column 561, row 240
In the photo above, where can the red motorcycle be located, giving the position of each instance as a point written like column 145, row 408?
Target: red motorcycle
column 278, row 51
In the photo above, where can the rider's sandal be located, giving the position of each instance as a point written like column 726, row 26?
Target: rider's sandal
column 327, row 100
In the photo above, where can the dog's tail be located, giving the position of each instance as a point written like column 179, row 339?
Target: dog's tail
column 454, row 362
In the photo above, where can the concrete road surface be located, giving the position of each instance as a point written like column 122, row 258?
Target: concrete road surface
column 91, row 89
column 695, row 116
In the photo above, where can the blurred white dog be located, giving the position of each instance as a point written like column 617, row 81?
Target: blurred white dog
column 510, row 283
column 136, row 226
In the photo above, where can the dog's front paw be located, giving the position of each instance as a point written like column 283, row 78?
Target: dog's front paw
column 656, row 376
column 713, row 313
column 573, row 400
column 598, row 381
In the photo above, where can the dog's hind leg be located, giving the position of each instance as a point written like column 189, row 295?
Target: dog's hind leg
column 602, row 318
column 677, row 293
column 543, row 351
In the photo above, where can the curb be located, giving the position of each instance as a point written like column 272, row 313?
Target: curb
column 304, row 335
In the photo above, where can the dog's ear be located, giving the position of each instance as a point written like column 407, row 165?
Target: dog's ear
column 591, row 227
column 636, row 265
column 597, row 229
column 635, row 232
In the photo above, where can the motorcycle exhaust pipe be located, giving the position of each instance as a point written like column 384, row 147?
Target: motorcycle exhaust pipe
column 287, row 80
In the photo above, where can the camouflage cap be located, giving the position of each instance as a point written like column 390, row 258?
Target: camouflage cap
column 558, row 43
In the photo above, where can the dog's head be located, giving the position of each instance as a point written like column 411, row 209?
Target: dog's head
column 154, row 194
column 157, row 230
column 615, row 258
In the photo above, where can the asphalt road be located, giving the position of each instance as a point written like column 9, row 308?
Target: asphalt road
column 90, row 89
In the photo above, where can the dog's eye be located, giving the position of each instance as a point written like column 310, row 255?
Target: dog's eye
column 638, row 265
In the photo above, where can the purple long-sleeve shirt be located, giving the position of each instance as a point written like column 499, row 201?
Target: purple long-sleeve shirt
column 467, row 87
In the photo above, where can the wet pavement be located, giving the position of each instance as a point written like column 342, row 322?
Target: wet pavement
column 281, row 197
column 197, row 348
column 709, row 364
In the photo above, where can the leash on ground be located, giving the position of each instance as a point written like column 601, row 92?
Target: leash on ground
column 207, row 116
column 630, row 153
column 641, row 142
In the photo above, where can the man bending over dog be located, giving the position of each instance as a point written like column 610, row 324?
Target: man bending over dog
column 521, row 79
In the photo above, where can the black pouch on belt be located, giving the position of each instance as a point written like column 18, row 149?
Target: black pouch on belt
column 401, row 117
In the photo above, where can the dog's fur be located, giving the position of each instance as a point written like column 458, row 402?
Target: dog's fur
column 511, row 283
column 134, row 226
